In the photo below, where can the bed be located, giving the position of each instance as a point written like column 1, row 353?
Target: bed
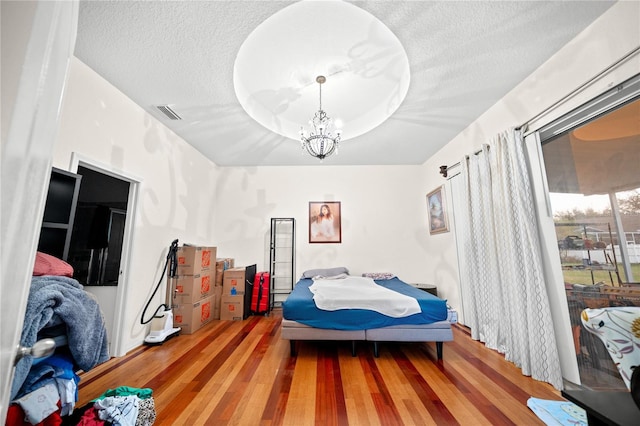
column 303, row 320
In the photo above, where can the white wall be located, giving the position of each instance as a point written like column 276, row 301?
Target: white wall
column 384, row 217
column 176, row 197
column 612, row 36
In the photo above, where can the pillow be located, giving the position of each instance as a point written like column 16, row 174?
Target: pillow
column 331, row 277
column 327, row 272
column 379, row 275
column 50, row 265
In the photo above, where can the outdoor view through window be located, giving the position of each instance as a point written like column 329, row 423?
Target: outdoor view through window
column 593, row 173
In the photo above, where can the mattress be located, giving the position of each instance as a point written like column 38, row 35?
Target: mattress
column 301, row 308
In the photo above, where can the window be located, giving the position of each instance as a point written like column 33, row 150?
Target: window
column 592, row 160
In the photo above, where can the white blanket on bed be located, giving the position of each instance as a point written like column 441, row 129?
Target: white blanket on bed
column 361, row 293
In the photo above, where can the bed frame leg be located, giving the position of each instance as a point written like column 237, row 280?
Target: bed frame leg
column 292, row 346
column 439, row 349
column 375, row 349
column 353, row 348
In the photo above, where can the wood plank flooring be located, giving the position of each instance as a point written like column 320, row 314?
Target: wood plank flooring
column 240, row 373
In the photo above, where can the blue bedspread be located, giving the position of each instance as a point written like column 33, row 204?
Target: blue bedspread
column 300, row 307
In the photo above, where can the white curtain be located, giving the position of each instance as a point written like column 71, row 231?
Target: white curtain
column 503, row 291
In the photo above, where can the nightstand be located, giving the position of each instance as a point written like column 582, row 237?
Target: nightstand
column 429, row 288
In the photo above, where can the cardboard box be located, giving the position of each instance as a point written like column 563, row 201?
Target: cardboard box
column 239, row 282
column 222, row 264
column 217, row 291
column 217, row 294
column 191, row 288
column 191, row 316
column 232, row 308
column 195, row 260
column 234, row 282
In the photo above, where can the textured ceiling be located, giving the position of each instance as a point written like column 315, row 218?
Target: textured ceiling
column 463, row 57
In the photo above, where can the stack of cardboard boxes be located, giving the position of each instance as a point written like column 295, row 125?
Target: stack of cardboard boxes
column 236, row 292
column 194, row 298
column 222, row 264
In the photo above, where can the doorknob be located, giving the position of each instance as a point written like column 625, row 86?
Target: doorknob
column 41, row 348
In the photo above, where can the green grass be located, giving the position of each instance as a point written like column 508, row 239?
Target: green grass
column 584, row 276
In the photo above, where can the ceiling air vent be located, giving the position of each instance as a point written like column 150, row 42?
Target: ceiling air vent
column 166, row 110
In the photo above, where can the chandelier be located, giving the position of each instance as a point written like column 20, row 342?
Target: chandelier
column 320, row 142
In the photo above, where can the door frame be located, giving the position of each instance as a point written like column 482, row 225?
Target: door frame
column 77, row 160
column 598, row 106
column 43, row 36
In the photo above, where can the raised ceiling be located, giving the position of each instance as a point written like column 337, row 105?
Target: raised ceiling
column 463, row 57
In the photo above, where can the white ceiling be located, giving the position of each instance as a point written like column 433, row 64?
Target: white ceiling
column 463, row 57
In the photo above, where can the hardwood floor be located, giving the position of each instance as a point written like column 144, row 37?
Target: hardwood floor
column 240, row 372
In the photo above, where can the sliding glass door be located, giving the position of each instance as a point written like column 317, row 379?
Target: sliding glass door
column 591, row 168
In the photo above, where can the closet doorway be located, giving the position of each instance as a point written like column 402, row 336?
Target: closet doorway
column 101, row 239
column 98, row 231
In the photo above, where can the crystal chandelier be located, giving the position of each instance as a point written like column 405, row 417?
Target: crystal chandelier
column 320, row 142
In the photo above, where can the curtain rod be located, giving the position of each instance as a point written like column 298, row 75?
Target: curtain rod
column 580, row 88
column 445, row 169
column 525, row 126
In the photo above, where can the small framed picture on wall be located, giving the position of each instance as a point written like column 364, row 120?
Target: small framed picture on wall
column 325, row 222
column 437, row 211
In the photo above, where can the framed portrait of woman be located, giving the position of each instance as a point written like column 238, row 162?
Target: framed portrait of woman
column 437, row 211
column 325, row 222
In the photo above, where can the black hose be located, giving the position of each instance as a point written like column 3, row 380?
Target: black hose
column 171, row 257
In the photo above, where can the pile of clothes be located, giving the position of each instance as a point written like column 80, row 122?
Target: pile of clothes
column 49, row 391
column 124, row 405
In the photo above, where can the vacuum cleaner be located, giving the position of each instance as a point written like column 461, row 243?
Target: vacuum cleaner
column 162, row 320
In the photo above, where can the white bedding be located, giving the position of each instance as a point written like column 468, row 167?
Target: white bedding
column 361, row 293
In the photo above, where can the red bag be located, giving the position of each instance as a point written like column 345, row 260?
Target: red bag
column 260, row 296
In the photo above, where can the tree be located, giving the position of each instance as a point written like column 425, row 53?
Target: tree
column 565, row 216
column 630, row 204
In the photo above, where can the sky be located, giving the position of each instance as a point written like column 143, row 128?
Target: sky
column 561, row 202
